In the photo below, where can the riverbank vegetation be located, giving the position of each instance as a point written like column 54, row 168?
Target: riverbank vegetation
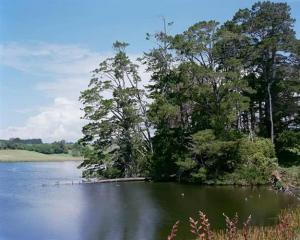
column 288, row 227
column 291, row 175
column 222, row 106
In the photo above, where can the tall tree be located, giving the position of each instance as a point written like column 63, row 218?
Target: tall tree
column 218, row 84
column 168, row 137
column 270, row 61
column 191, row 91
column 118, row 131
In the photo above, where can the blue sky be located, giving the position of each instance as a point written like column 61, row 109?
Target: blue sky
column 48, row 48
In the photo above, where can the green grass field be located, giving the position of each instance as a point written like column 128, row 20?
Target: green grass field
column 28, row 156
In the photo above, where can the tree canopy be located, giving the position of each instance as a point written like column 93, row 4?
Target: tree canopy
column 220, row 97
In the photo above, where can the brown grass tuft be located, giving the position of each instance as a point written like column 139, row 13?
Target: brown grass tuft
column 287, row 228
column 173, row 231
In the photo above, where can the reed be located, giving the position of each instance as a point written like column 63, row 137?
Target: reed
column 287, row 228
column 173, row 231
column 201, row 231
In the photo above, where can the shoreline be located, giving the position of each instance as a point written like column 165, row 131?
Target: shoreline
column 8, row 156
column 40, row 161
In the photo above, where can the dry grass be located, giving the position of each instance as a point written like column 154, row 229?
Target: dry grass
column 173, row 231
column 287, row 228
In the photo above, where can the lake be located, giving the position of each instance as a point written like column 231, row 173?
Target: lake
column 39, row 202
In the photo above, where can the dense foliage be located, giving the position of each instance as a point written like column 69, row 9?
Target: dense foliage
column 239, row 161
column 220, row 97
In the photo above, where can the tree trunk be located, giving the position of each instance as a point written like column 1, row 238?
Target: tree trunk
column 249, row 123
column 271, row 112
column 273, row 69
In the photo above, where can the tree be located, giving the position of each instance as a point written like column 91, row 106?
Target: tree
column 218, row 84
column 192, row 91
column 216, row 92
column 118, row 132
column 271, row 62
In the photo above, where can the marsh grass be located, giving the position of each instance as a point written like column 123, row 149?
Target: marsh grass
column 287, row 228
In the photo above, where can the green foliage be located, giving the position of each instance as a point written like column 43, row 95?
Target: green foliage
column 200, row 175
column 257, row 161
column 215, row 154
column 208, row 158
column 76, row 149
column 241, row 161
column 267, row 49
column 35, row 145
column 217, row 92
column 256, row 149
column 169, row 146
column 288, row 148
column 118, row 130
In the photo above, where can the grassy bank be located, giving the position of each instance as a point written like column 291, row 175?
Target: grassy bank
column 28, row 156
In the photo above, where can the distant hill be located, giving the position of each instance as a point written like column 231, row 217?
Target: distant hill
column 26, row 141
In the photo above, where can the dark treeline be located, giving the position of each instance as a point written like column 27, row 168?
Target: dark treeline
column 37, row 145
column 25, row 141
column 222, row 105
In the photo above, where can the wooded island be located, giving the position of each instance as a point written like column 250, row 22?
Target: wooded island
column 222, row 105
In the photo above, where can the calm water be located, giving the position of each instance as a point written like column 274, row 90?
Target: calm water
column 37, row 202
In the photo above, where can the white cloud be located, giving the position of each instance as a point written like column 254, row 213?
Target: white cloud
column 64, row 71
column 68, row 87
column 61, row 120
column 45, row 58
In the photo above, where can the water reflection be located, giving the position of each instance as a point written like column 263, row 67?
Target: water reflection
column 33, row 207
column 127, row 211
column 262, row 203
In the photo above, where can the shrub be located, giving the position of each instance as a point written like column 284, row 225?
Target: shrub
column 239, row 161
column 257, row 160
column 288, row 148
column 208, row 157
column 200, row 175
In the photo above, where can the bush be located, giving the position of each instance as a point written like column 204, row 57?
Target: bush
column 288, row 148
column 217, row 155
column 209, row 157
column 239, row 161
column 257, row 161
column 200, row 175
